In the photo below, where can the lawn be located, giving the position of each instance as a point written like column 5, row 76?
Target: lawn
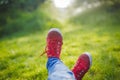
column 93, row 31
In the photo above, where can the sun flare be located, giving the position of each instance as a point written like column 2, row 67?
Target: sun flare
column 62, row 3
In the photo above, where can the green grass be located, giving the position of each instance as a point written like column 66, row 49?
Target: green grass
column 20, row 54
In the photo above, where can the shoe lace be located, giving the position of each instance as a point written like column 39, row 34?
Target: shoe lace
column 53, row 46
column 45, row 51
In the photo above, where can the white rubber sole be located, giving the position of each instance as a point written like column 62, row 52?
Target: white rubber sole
column 55, row 29
column 90, row 57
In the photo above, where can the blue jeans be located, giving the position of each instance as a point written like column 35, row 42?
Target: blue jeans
column 58, row 71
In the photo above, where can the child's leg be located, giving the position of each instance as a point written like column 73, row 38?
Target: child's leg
column 58, row 71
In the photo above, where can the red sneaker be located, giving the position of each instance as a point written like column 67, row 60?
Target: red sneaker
column 82, row 65
column 54, row 43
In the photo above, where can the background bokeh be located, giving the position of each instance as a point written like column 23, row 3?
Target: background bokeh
column 87, row 25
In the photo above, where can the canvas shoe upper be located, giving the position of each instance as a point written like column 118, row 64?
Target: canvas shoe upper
column 82, row 65
column 54, row 43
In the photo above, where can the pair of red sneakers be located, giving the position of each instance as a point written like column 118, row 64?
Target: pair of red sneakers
column 53, row 49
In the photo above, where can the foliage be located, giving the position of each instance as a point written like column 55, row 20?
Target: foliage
column 28, row 5
column 111, row 17
column 114, row 3
column 23, row 16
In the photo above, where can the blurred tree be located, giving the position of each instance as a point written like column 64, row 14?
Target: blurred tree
column 114, row 3
column 111, row 2
column 27, row 5
column 11, row 10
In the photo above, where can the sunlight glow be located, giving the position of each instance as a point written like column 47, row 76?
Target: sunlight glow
column 62, row 3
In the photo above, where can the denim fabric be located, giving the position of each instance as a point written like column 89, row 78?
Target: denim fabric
column 58, row 71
